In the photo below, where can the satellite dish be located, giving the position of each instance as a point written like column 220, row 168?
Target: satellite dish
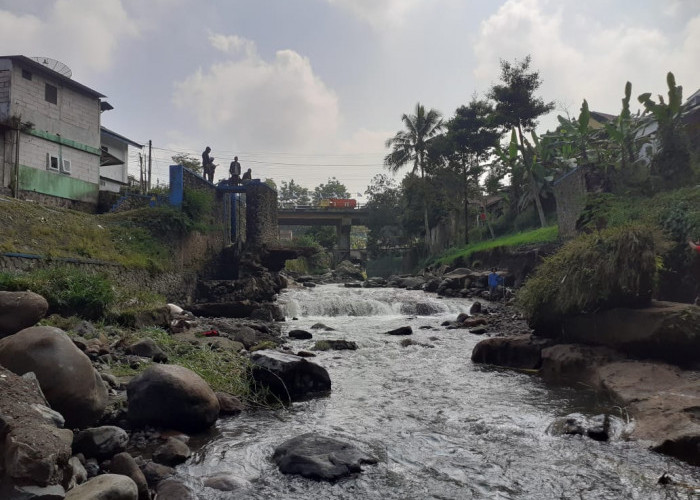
column 54, row 65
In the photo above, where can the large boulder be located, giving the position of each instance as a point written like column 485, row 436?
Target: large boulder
column 289, row 377
column 520, row 351
column 348, row 271
column 66, row 376
column 34, row 451
column 321, row 458
column 105, row 487
column 666, row 331
column 20, row 310
column 172, row 396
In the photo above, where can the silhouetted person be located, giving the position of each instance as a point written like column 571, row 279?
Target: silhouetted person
column 235, row 171
column 248, row 175
column 208, row 165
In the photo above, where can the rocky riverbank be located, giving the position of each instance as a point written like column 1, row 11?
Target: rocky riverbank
column 645, row 360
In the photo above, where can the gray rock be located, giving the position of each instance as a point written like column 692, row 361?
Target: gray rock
column 124, row 464
column 321, row 326
column 20, row 310
column 224, row 481
column 105, row 487
column 34, row 450
column 79, row 474
column 50, row 416
column 172, row 396
column 172, row 452
column 335, row 345
column 228, row 404
column 318, row 457
column 289, row 377
column 31, row 492
column 101, row 442
column 68, row 380
column 299, row 334
column 155, row 473
column 85, row 329
column 520, row 351
column 475, row 308
column 147, row 348
column 174, row 489
column 404, row 330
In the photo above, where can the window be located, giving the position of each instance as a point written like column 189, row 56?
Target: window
column 51, row 162
column 65, row 167
column 51, row 94
column 27, row 75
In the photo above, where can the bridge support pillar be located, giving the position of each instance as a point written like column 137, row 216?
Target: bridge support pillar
column 343, row 240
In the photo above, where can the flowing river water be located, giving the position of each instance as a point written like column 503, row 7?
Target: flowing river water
column 441, row 426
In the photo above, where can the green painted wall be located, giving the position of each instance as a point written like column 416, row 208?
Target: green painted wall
column 66, row 142
column 54, row 184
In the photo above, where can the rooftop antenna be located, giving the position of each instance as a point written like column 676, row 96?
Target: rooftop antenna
column 54, row 65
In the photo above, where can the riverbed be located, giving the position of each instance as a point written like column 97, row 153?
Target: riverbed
column 441, row 427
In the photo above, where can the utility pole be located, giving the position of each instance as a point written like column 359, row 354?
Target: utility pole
column 141, row 180
column 150, row 144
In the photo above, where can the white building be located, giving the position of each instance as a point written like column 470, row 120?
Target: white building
column 114, row 164
column 50, row 146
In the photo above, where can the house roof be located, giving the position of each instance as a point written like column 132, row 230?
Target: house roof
column 40, row 68
column 120, row 137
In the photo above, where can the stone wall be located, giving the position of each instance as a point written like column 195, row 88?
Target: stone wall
column 570, row 193
column 176, row 286
column 54, row 201
column 261, row 215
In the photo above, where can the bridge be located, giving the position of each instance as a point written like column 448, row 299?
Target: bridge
column 342, row 218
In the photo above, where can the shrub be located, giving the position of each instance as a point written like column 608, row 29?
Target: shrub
column 198, row 204
column 612, row 268
column 68, row 291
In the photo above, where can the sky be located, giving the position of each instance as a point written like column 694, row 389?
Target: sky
column 311, row 89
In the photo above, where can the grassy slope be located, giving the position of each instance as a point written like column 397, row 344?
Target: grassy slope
column 535, row 236
column 32, row 228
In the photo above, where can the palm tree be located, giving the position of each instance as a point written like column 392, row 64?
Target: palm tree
column 411, row 144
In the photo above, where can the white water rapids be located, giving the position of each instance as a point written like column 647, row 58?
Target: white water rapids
column 442, row 427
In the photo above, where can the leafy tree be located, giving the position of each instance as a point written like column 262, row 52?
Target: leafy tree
column 291, row 194
column 188, row 161
column 271, row 183
column 671, row 164
column 471, row 134
column 384, row 215
column 332, row 189
column 411, row 144
column 518, row 108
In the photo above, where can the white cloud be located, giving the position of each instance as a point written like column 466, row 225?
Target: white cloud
column 381, row 14
column 84, row 34
column 580, row 57
column 233, row 44
column 252, row 104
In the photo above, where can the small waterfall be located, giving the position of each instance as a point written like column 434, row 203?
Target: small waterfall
column 333, row 301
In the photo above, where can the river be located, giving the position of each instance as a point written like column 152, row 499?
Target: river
column 442, row 427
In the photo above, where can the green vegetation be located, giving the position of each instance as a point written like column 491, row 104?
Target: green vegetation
column 615, row 267
column 67, row 290
column 537, row 236
column 222, row 369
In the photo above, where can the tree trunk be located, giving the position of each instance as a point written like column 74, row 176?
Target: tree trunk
column 466, row 207
column 425, row 211
column 538, row 203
